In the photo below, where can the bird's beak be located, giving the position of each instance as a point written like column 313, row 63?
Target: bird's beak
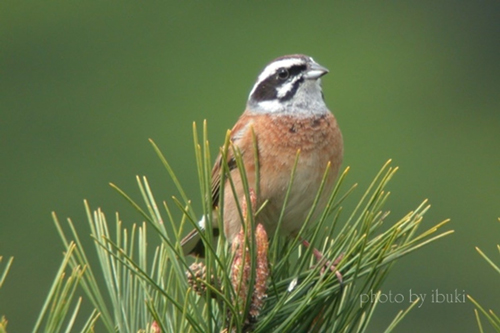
column 315, row 71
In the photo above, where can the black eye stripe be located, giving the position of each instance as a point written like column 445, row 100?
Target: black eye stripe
column 264, row 91
column 267, row 89
column 297, row 69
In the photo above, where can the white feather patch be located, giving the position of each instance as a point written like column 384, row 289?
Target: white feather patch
column 202, row 223
column 284, row 89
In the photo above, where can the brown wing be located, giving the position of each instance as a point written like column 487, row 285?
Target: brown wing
column 192, row 243
column 238, row 131
column 217, row 176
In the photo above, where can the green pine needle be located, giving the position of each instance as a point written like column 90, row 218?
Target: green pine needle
column 491, row 316
column 146, row 285
column 3, row 275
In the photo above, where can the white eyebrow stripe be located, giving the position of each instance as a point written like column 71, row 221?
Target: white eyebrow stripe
column 273, row 67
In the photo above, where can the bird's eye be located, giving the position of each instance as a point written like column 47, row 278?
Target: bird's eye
column 283, row 74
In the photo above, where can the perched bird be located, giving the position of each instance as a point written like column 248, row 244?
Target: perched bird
column 285, row 113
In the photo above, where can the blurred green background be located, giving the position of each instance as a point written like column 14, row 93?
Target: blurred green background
column 83, row 85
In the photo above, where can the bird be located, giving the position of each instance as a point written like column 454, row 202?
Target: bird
column 285, row 117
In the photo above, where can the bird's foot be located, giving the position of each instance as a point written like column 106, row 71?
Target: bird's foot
column 327, row 264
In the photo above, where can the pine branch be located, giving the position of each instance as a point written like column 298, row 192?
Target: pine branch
column 264, row 283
